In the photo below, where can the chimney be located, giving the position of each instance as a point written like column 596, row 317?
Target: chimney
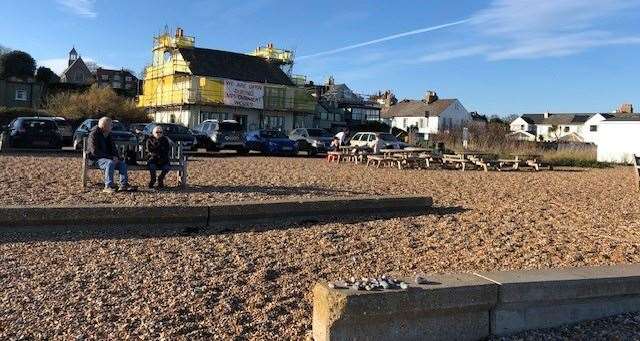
column 546, row 115
column 179, row 32
column 626, row 108
column 430, row 97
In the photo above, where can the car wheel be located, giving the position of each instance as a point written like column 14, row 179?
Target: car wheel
column 313, row 151
column 243, row 151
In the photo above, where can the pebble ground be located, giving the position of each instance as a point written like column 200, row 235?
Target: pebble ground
column 256, row 285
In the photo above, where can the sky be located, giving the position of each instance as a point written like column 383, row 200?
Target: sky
column 496, row 56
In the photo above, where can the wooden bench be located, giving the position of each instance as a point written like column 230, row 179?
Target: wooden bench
column 379, row 160
column 636, row 168
column 480, row 162
column 177, row 162
column 457, row 160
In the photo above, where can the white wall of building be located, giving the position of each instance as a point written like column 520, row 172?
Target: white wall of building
column 562, row 130
column 520, row 124
column 590, row 129
column 618, row 141
column 453, row 116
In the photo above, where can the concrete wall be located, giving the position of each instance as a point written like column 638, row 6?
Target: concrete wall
column 618, row 141
column 475, row 306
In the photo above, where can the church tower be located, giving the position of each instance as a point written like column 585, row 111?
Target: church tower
column 73, row 56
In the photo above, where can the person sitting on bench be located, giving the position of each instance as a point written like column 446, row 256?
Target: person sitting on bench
column 102, row 150
column 158, row 148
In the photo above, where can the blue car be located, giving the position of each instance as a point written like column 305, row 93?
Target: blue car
column 271, row 142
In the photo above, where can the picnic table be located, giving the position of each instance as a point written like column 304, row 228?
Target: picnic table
column 407, row 156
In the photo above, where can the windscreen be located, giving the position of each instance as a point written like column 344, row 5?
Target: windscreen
column 229, row 126
column 388, row 138
column 273, row 134
column 318, row 133
column 38, row 125
column 174, row 129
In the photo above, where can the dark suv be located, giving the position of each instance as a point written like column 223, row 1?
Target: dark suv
column 312, row 140
column 224, row 135
column 119, row 134
column 33, row 132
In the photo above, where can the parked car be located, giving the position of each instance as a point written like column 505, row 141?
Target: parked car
column 119, row 133
column 203, row 140
column 368, row 139
column 66, row 130
column 224, row 135
column 137, row 128
column 175, row 132
column 33, row 132
column 312, row 140
column 271, row 142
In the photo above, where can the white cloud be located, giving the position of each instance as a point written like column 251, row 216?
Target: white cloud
column 383, row 39
column 83, row 8
column 454, row 53
column 521, row 29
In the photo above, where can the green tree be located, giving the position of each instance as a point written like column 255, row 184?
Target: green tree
column 17, row 64
column 45, row 75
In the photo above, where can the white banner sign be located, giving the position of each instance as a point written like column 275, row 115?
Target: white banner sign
column 242, row 94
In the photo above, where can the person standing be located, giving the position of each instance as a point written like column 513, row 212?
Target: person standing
column 103, row 152
column 158, row 147
column 342, row 136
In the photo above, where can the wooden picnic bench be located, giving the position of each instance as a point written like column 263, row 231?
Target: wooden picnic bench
column 379, row 160
column 177, row 161
column 458, row 160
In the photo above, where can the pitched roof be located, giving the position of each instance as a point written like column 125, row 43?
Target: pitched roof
column 231, row 65
column 533, row 118
column 557, row 119
column 411, row 108
column 80, row 63
column 626, row 118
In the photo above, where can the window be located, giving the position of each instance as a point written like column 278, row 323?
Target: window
column 116, row 77
column 405, row 122
column 566, row 129
column 372, row 137
column 522, row 127
column 128, row 78
column 21, row 95
column 116, row 85
column 207, row 115
column 593, row 128
column 273, row 122
column 105, row 77
column 356, row 137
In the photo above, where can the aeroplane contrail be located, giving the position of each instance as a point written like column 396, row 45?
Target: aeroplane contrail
column 379, row 40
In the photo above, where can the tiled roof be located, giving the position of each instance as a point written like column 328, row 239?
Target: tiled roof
column 231, row 65
column 410, row 108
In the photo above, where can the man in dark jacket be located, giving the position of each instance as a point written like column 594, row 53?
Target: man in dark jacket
column 103, row 152
column 158, row 148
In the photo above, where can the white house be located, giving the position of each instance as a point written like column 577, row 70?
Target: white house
column 580, row 127
column 430, row 115
column 619, row 139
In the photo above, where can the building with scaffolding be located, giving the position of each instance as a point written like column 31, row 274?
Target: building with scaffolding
column 187, row 84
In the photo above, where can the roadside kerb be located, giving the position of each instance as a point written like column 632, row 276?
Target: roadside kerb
column 477, row 305
column 208, row 216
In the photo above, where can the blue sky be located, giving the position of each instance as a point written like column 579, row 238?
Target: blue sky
column 496, row 56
